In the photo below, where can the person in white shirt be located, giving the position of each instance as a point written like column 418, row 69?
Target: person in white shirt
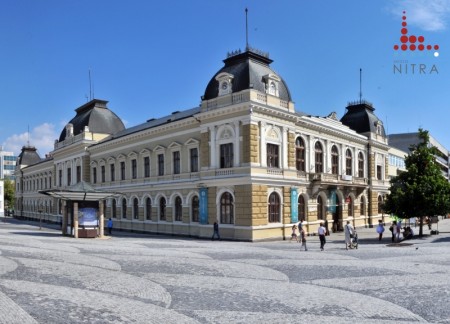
column 348, row 235
column 322, row 231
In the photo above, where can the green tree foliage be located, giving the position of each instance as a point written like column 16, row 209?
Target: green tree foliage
column 421, row 190
column 9, row 193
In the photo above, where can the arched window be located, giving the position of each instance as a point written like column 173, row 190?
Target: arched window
column 274, row 208
column 148, row 209
column 362, row 206
column 334, row 160
column 350, row 206
column 162, row 209
column 319, row 208
column 114, row 209
column 319, row 157
column 226, row 208
column 301, row 208
column 135, row 208
column 300, row 154
column 178, row 209
column 360, row 165
column 124, row 208
column 195, row 208
column 380, row 205
column 348, row 163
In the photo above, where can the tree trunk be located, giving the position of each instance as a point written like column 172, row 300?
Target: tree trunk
column 420, row 226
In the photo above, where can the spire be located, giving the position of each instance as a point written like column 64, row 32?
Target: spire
column 246, row 29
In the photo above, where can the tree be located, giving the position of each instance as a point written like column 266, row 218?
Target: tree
column 421, row 190
column 9, row 192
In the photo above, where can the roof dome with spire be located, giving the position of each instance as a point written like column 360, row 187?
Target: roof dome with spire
column 247, row 70
column 28, row 156
column 361, row 118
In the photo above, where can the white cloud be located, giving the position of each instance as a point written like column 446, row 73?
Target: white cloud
column 42, row 137
column 430, row 15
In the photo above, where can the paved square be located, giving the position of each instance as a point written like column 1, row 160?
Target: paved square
column 129, row 278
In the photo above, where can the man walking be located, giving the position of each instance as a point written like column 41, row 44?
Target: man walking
column 322, row 231
column 216, row 231
column 109, row 225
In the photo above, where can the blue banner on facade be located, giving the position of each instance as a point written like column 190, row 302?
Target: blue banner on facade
column 294, row 206
column 204, row 206
column 332, row 202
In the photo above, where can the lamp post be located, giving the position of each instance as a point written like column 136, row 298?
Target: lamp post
column 40, row 218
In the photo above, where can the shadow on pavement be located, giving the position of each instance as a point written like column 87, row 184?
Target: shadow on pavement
column 441, row 240
column 42, row 234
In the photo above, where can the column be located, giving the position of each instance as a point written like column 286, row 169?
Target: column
column 212, row 147
column 285, row 148
column 262, row 141
column 237, row 146
column 64, row 218
column 101, row 221
column 75, row 219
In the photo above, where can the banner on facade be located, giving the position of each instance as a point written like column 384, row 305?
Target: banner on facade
column 204, row 206
column 294, row 206
column 332, row 202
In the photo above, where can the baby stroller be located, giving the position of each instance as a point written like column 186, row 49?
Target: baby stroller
column 354, row 240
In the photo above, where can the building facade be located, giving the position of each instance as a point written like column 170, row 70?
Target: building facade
column 244, row 158
column 7, row 164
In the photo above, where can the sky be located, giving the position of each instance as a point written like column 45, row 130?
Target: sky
column 150, row 58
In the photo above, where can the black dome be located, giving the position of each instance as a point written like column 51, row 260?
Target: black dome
column 361, row 118
column 248, row 69
column 97, row 117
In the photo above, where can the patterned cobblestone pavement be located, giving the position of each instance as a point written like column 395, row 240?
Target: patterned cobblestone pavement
column 131, row 278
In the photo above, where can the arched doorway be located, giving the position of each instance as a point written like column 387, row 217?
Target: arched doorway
column 337, row 215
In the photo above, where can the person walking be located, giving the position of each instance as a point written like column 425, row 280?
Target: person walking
column 348, row 235
column 303, row 238
column 322, row 231
column 216, row 231
column 380, row 229
column 109, row 225
column 294, row 233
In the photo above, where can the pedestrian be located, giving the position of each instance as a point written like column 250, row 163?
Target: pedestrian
column 303, row 238
column 216, row 231
column 348, row 235
column 399, row 231
column 322, row 231
column 380, row 229
column 395, row 231
column 109, row 225
column 294, row 233
column 391, row 228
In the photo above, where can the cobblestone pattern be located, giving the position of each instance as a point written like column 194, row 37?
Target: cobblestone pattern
column 128, row 278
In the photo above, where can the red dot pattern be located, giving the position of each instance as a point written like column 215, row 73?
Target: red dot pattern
column 412, row 42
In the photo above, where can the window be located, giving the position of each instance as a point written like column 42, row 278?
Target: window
column 226, row 155
column 379, row 172
column 348, row 163
column 122, row 170
column 380, row 205
column 226, row 208
column 162, row 209
column 301, row 208
column 195, row 209
column 103, row 173
column 69, row 176
column 178, row 209
column 148, row 209
column 60, row 178
column 78, row 173
column 135, row 208
column 320, row 212
column 134, row 168
column 300, row 154
column 94, row 175
column 146, row 167
column 112, row 171
column 124, row 208
column 334, row 160
column 194, row 159
column 274, row 208
column 160, row 164
column 176, row 162
column 350, row 206
column 360, row 165
column 114, row 208
column 272, row 156
column 319, row 157
column 362, row 207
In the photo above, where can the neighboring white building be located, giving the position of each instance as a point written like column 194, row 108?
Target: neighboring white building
column 396, row 161
column 7, row 164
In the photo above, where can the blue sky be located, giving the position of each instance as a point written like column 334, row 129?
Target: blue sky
column 150, row 58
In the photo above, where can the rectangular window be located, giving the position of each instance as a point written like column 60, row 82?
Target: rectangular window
column 103, row 172
column 112, row 171
column 134, row 168
column 78, row 173
column 194, row 159
column 94, row 175
column 160, row 164
column 122, row 170
column 226, row 155
column 60, row 178
column 69, row 176
column 146, row 167
column 272, row 156
column 379, row 172
column 176, row 162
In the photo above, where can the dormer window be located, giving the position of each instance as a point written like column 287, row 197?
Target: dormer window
column 225, row 83
column 272, row 81
column 378, row 126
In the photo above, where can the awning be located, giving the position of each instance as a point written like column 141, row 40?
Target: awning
column 81, row 191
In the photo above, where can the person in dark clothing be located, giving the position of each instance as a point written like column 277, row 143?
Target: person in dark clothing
column 216, row 231
column 109, row 225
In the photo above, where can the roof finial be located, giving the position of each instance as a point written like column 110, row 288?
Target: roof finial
column 246, row 29
column 360, row 85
